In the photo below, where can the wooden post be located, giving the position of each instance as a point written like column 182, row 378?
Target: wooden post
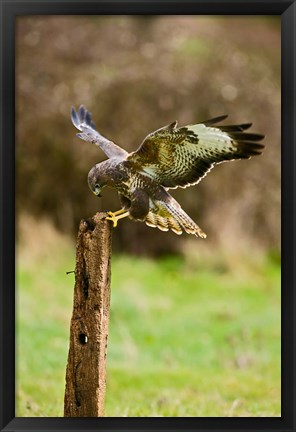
column 86, row 368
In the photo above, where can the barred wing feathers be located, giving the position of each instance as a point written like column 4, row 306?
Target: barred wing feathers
column 183, row 156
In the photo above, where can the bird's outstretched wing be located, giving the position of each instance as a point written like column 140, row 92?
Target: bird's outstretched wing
column 183, row 156
column 82, row 120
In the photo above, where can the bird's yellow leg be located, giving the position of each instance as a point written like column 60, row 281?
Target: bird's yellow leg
column 115, row 219
column 116, row 213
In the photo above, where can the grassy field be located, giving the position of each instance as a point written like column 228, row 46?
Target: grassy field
column 192, row 336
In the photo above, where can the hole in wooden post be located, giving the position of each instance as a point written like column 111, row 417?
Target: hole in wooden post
column 89, row 224
column 82, row 338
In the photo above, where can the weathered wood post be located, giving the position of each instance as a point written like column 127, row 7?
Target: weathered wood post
column 86, row 368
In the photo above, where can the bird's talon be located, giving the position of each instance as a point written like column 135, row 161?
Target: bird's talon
column 112, row 218
column 115, row 216
column 110, row 213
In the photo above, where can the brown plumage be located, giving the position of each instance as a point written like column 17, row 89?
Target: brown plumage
column 170, row 157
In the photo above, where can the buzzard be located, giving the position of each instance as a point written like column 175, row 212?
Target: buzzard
column 168, row 158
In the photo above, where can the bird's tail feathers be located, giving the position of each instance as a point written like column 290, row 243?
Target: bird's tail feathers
column 188, row 225
column 171, row 217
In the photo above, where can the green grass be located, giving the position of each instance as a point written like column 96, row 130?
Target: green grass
column 188, row 336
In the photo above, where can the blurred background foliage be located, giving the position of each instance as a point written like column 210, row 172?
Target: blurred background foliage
column 195, row 332
column 136, row 74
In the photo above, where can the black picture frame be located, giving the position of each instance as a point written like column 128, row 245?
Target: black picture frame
column 9, row 10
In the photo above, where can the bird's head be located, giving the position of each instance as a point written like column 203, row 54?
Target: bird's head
column 96, row 181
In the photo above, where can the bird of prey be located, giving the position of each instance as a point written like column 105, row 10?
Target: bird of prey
column 168, row 158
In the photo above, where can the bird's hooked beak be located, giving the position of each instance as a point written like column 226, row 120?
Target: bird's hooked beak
column 97, row 191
